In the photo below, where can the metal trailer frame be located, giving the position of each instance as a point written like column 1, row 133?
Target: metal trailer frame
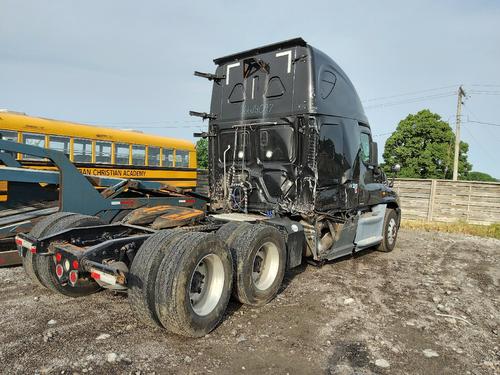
column 78, row 193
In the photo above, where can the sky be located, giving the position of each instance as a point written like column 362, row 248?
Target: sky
column 129, row 64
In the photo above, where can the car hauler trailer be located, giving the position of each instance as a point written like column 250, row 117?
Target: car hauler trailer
column 108, row 198
column 293, row 175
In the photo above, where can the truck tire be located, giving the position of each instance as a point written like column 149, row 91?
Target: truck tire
column 39, row 230
column 194, row 284
column 46, row 265
column 390, row 231
column 142, row 276
column 228, row 230
column 259, row 256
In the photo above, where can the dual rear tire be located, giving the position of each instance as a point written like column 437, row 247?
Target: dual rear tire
column 259, row 261
column 182, row 281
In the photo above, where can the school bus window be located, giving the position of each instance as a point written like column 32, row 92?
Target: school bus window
column 33, row 140
column 168, row 157
column 138, row 155
column 153, row 156
column 82, row 151
column 8, row 135
column 122, row 152
column 59, row 144
column 103, row 152
column 181, row 158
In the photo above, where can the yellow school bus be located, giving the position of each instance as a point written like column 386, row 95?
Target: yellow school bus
column 101, row 151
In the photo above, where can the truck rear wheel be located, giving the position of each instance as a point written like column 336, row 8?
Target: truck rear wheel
column 46, row 265
column 142, row 276
column 194, row 284
column 259, row 255
column 229, row 230
column 390, row 231
column 40, row 229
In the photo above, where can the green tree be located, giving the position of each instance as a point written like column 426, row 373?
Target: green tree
column 202, row 153
column 423, row 144
column 480, row 176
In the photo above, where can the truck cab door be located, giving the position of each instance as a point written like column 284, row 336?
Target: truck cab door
column 368, row 187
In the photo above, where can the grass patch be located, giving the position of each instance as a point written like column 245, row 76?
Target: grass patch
column 492, row 230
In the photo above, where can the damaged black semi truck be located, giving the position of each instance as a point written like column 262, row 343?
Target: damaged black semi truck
column 293, row 175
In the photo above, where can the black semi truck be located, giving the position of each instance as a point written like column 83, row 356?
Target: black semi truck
column 293, row 176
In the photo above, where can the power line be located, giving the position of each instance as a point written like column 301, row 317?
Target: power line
column 381, row 135
column 407, row 94
column 484, row 123
column 484, row 92
column 484, row 85
column 483, row 149
column 412, row 100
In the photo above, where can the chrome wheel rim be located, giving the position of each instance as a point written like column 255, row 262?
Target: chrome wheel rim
column 207, row 284
column 391, row 231
column 265, row 266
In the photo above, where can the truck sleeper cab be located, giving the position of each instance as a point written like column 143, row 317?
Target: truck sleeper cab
column 293, row 174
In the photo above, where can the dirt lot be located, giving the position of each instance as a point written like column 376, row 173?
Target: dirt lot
column 375, row 313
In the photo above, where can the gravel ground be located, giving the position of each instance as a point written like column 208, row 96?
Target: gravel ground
column 430, row 307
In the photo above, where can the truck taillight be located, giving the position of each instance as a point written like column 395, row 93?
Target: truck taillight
column 58, row 257
column 33, row 249
column 59, row 271
column 75, row 264
column 73, row 277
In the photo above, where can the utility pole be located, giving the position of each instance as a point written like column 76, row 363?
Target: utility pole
column 461, row 94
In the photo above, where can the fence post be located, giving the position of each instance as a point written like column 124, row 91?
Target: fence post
column 431, row 200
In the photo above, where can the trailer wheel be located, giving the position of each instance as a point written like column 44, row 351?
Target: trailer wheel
column 194, row 284
column 46, row 264
column 390, row 231
column 142, row 276
column 39, row 230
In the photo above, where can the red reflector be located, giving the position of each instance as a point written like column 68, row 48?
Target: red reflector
column 95, row 275
column 127, row 202
column 73, row 276
column 33, row 249
column 75, row 264
column 19, row 241
column 190, row 201
column 58, row 257
column 59, row 271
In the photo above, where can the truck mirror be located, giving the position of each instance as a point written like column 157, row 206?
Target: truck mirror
column 374, row 154
column 396, row 168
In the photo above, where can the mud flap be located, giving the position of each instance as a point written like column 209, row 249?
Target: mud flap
column 294, row 238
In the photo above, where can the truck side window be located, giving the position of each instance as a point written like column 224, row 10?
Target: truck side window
column 330, row 154
column 365, row 147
